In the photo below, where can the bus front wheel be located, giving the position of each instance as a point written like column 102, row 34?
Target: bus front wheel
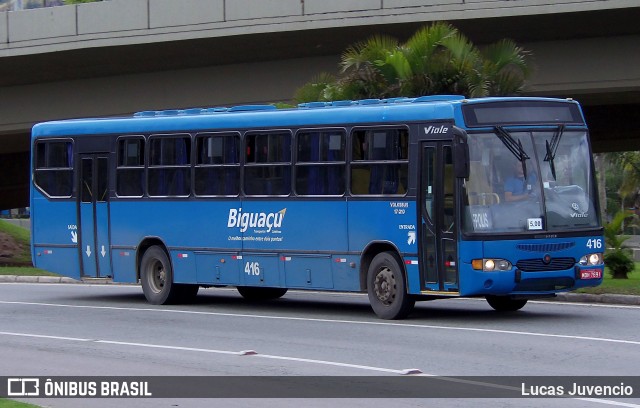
column 156, row 276
column 505, row 303
column 387, row 289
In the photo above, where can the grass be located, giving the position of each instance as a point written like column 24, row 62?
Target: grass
column 22, row 238
column 24, row 271
column 19, row 233
column 23, row 258
column 5, row 403
column 629, row 286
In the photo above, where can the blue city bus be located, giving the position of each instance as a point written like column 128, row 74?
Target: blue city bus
column 406, row 199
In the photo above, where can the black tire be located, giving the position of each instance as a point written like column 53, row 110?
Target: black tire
column 261, row 294
column 387, row 289
column 156, row 276
column 505, row 303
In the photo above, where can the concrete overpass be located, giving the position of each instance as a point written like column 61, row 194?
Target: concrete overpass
column 120, row 56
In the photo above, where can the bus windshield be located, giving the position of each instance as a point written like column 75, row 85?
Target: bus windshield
column 529, row 181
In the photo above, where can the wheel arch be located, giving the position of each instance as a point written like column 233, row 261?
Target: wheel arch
column 373, row 249
column 145, row 244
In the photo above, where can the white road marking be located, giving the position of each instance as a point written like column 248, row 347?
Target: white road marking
column 355, row 322
column 204, row 350
column 303, row 360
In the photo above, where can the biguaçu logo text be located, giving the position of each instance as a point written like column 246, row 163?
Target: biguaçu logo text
column 245, row 220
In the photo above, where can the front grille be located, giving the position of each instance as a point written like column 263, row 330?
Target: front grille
column 537, row 265
column 558, row 246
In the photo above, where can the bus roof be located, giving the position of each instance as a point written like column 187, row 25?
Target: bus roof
column 338, row 113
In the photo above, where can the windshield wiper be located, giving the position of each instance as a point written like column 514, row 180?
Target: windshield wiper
column 514, row 147
column 552, row 148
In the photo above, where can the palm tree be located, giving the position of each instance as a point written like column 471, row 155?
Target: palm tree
column 504, row 68
column 437, row 59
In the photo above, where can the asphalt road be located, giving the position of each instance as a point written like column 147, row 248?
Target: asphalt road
column 110, row 330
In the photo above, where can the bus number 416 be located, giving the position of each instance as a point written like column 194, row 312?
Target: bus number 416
column 252, row 268
column 594, row 243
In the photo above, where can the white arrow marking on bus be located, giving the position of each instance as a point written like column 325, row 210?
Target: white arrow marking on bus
column 103, row 252
column 412, row 238
column 88, row 251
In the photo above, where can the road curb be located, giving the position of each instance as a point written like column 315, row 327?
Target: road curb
column 45, row 279
column 607, row 298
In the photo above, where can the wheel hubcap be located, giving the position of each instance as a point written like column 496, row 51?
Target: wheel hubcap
column 158, row 277
column 385, row 286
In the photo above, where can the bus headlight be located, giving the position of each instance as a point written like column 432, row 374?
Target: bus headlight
column 490, row 265
column 592, row 259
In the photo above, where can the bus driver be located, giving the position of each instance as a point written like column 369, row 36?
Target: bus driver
column 517, row 187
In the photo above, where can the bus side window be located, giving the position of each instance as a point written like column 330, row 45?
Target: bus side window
column 54, row 167
column 170, row 165
column 217, row 171
column 267, row 168
column 130, row 168
column 379, row 161
column 320, row 164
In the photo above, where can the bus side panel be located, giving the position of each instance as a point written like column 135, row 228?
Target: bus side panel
column 54, row 235
column 308, row 271
column 217, row 268
column 302, row 234
column 184, row 266
column 392, row 221
column 187, row 228
column 346, row 274
column 124, row 265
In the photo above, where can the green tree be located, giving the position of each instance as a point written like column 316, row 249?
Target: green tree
column 437, row 59
column 629, row 163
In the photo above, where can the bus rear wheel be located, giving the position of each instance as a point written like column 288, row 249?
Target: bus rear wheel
column 387, row 289
column 261, row 294
column 505, row 303
column 156, row 276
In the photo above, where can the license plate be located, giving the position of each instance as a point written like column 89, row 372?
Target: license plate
column 591, row 274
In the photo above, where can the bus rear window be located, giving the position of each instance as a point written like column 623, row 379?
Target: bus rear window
column 54, row 167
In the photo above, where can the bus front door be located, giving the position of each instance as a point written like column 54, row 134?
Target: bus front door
column 93, row 228
column 438, row 241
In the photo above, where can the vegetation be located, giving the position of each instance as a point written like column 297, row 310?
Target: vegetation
column 5, row 403
column 24, row 271
column 437, row 59
column 629, row 286
column 14, row 245
column 617, row 257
